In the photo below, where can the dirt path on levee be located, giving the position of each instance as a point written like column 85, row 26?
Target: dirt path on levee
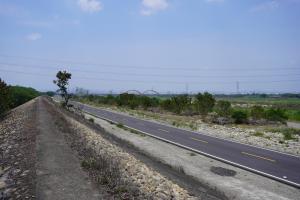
column 59, row 175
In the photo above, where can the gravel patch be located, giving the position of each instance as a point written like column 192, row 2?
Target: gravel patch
column 17, row 152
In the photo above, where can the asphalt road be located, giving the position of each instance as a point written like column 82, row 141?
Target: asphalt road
column 279, row 166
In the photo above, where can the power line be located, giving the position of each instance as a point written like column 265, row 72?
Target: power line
column 146, row 75
column 149, row 67
column 139, row 81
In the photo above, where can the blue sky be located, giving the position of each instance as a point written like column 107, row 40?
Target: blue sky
column 165, row 45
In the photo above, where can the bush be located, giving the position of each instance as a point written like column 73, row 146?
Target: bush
column 276, row 114
column 204, row 103
column 257, row 112
column 239, row 116
column 120, row 125
column 223, row 108
column 293, row 115
column 288, row 133
column 91, row 120
column 20, row 95
column 50, row 93
column 180, row 102
column 4, row 97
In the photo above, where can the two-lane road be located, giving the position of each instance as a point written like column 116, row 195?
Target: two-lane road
column 275, row 165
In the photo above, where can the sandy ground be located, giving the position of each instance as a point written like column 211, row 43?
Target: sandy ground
column 235, row 183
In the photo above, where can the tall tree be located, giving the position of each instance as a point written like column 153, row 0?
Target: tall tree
column 62, row 82
column 4, row 97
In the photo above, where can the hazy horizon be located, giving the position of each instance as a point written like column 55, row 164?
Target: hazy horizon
column 220, row 46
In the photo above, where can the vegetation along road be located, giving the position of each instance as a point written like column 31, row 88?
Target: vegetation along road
column 275, row 165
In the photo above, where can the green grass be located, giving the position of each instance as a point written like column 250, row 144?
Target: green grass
column 258, row 134
column 260, row 100
column 293, row 115
column 292, row 105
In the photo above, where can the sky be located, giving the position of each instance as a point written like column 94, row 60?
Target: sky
column 219, row 46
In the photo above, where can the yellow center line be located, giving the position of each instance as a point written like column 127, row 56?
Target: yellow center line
column 163, row 130
column 256, row 156
column 196, row 139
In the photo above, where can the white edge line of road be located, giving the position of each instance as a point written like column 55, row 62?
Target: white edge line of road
column 206, row 154
column 200, row 133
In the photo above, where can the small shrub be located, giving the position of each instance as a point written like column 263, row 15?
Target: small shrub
column 91, row 120
column 239, row 116
column 257, row 112
column 288, row 133
column 223, row 108
column 293, row 115
column 193, row 126
column 192, row 154
column 88, row 163
column 276, row 114
column 258, row 134
column 120, row 125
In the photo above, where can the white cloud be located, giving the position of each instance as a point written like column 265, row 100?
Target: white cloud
column 152, row 6
column 34, row 36
column 268, row 5
column 90, row 5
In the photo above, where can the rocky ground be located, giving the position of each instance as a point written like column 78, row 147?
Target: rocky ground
column 261, row 136
column 17, row 151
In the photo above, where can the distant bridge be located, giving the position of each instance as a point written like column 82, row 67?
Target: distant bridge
column 133, row 92
column 150, row 92
column 146, row 92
